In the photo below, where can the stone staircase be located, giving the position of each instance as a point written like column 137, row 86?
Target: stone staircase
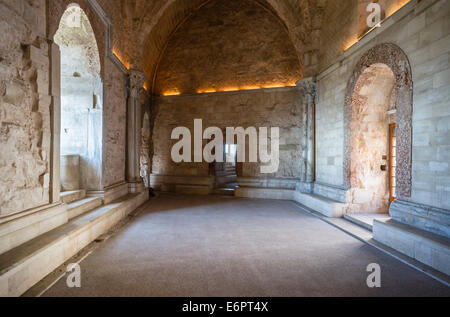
column 226, row 181
column 224, row 191
column 87, row 218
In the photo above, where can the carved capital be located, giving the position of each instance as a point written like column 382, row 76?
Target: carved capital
column 136, row 82
column 308, row 87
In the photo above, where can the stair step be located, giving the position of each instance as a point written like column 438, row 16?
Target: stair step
column 225, row 173
column 365, row 220
column 224, row 191
column 324, row 205
column 82, row 206
column 27, row 264
column 226, row 179
column 72, row 195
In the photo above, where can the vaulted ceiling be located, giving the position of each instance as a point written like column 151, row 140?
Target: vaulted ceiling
column 320, row 30
column 142, row 28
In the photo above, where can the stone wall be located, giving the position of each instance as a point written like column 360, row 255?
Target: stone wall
column 114, row 125
column 26, row 92
column 422, row 31
column 346, row 22
column 281, row 107
column 25, row 131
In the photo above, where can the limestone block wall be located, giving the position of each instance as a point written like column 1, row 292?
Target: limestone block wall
column 281, row 107
column 422, row 30
column 345, row 23
column 27, row 159
column 114, row 126
column 25, row 137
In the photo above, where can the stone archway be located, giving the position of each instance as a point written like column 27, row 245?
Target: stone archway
column 373, row 112
column 394, row 58
column 81, row 93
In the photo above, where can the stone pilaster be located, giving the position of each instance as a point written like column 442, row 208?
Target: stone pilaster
column 136, row 80
column 308, row 87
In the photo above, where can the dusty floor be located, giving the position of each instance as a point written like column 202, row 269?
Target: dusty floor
column 218, row 246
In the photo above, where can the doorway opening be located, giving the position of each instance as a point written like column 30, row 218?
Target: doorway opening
column 81, row 103
column 226, row 172
column 392, row 162
column 373, row 142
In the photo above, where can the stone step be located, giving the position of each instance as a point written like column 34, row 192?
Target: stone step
column 365, row 220
column 73, row 195
column 224, row 191
column 225, row 173
column 24, row 266
column 82, row 206
column 220, row 180
column 325, row 206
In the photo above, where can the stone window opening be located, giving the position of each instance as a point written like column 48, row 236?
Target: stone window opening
column 81, row 103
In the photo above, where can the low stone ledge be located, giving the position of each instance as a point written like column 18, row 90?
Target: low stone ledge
column 22, row 229
column 335, row 193
column 327, row 207
column 267, row 182
column 264, row 193
column 110, row 193
column 19, row 272
column 423, row 217
column 193, row 189
column 431, row 249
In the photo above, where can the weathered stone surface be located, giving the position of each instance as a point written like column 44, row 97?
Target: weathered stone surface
column 23, row 166
column 115, row 121
column 81, row 96
column 393, row 57
column 224, row 45
column 259, row 108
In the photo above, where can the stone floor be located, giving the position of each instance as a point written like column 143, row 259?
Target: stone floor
column 219, row 246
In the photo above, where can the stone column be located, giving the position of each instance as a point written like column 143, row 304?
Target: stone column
column 308, row 88
column 136, row 81
column 55, row 110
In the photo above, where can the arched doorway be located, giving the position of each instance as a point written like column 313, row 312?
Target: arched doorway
column 81, row 102
column 378, row 115
column 372, row 105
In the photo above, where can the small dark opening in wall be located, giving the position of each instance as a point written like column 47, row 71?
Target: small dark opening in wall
column 76, row 74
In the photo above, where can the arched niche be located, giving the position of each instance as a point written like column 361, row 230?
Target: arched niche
column 81, row 102
column 396, row 60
